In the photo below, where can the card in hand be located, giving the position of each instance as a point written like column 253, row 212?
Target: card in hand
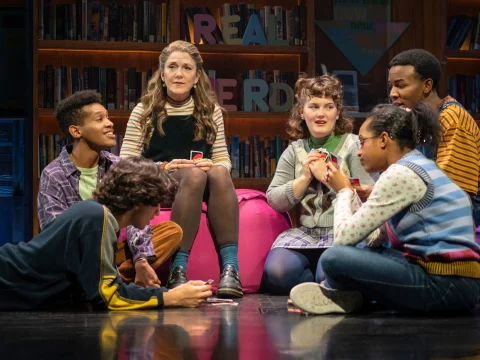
column 196, row 155
column 354, row 181
column 333, row 159
column 325, row 155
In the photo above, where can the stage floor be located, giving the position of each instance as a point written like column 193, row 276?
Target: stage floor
column 260, row 327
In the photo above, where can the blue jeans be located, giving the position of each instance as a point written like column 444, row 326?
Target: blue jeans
column 285, row 268
column 385, row 275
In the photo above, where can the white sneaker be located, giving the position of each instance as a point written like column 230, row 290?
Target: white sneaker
column 316, row 299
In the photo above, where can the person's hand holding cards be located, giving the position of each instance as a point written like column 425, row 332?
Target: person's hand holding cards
column 363, row 191
column 199, row 161
column 319, row 167
column 178, row 164
column 336, row 178
column 204, row 164
column 312, row 156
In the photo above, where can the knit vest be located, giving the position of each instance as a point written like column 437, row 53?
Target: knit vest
column 311, row 213
column 438, row 228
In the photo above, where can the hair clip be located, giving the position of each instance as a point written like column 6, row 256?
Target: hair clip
column 419, row 137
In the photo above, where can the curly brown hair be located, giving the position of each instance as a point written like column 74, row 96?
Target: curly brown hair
column 134, row 181
column 325, row 86
column 154, row 98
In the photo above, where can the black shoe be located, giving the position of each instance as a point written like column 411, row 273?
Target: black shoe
column 229, row 285
column 177, row 277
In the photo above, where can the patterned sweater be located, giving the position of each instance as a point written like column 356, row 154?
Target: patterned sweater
column 429, row 217
column 132, row 143
column 312, row 213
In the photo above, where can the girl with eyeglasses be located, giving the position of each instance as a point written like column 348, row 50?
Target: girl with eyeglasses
column 433, row 264
column 320, row 128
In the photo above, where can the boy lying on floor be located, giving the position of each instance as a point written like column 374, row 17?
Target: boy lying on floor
column 72, row 260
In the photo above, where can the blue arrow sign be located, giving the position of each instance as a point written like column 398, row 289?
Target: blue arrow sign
column 363, row 43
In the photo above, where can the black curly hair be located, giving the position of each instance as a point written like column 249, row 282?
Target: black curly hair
column 135, row 181
column 70, row 111
column 418, row 126
column 426, row 64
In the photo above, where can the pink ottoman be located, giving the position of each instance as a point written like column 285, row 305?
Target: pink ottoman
column 259, row 227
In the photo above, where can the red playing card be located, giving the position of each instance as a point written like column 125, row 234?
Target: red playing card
column 354, row 181
column 196, row 155
column 333, row 159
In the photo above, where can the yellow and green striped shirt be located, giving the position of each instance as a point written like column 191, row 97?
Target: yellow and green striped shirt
column 459, row 150
column 132, row 143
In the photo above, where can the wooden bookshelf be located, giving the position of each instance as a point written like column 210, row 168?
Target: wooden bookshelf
column 228, row 60
column 461, row 62
column 241, row 183
column 462, row 54
column 74, row 45
column 45, row 113
column 103, row 46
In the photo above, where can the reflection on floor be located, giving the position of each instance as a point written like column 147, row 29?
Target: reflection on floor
column 259, row 328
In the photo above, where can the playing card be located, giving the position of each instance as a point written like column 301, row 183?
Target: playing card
column 354, row 181
column 333, row 159
column 196, row 155
column 325, row 155
column 212, row 300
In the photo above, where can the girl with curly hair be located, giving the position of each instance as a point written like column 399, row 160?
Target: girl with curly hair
column 177, row 117
column 321, row 131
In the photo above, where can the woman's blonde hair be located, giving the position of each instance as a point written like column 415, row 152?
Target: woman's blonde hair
column 325, row 86
column 154, row 98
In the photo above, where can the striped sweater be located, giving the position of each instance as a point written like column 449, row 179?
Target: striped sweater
column 132, row 143
column 436, row 232
column 459, row 151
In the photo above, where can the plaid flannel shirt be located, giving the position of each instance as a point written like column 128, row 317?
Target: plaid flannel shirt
column 59, row 189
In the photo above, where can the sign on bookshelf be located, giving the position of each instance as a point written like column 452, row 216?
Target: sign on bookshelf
column 350, row 88
column 362, row 31
column 245, row 24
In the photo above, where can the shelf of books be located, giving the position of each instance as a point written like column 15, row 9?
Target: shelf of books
column 157, row 47
column 463, row 53
column 463, row 30
column 74, row 45
column 113, row 46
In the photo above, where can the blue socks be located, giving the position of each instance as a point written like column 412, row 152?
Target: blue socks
column 180, row 259
column 229, row 255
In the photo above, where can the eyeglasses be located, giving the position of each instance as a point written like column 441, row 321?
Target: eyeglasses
column 360, row 142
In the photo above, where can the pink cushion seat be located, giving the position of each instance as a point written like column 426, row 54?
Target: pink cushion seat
column 259, row 227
